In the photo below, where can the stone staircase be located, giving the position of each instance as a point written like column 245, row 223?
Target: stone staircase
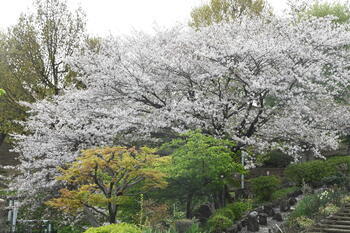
column 337, row 223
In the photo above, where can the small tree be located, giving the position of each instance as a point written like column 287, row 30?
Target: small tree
column 103, row 177
column 200, row 166
column 2, row 92
column 224, row 10
column 338, row 10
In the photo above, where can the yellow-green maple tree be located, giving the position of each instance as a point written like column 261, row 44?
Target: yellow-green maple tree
column 104, row 177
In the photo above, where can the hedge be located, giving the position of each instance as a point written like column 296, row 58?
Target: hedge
column 314, row 172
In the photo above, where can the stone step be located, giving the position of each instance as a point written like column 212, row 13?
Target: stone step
column 330, row 230
column 330, row 221
column 336, row 225
column 339, row 217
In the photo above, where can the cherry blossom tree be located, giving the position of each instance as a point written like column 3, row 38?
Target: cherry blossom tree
column 279, row 84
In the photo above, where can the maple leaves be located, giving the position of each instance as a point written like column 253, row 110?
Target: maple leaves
column 104, row 177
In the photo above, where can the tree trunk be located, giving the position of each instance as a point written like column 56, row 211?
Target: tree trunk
column 215, row 200
column 189, row 206
column 90, row 217
column 112, row 209
column 2, row 138
column 219, row 198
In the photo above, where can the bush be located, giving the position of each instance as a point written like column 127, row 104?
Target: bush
column 227, row 212
column 115, row 228
column 264, row 186
column 329, row 209
column 314, row 204
column 316, row 172
column 283, row 193
column 304, row 223
column 337, row 179
column 239, row 208
column 218, row 223
column 68, row 229
column 307, row 207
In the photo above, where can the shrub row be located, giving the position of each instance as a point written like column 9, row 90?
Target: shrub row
column 315, row 172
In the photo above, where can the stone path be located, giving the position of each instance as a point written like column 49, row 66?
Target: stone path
column 272, row 224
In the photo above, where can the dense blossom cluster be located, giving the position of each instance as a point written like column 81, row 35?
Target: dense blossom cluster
column 263, row 84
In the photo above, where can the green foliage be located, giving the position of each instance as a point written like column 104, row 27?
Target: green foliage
column 240, row 207
column 311, row 205
column 224, row 10
column 283, row 193
column 2, row 92
column 227, row 212
column 329, row 209
column 339, row 163
column 194, row 228
column 115, row 228
column 202, row 159
column 307, row 207
column 337, row 179
column 338, row 10
column 219, row 223
column 304, row 222
column 315, row 172
column 68, row 229
column 311, row 172
column 223, row 218
column 200, row 165
column 264, row 186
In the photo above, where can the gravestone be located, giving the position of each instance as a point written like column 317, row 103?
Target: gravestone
column 252, row 222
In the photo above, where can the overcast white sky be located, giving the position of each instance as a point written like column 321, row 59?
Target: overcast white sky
column 121, row 16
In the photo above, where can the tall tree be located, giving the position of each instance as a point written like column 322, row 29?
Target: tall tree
column 262, row 85
column 33, row 57
column 41, row 41
column 225, row 10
